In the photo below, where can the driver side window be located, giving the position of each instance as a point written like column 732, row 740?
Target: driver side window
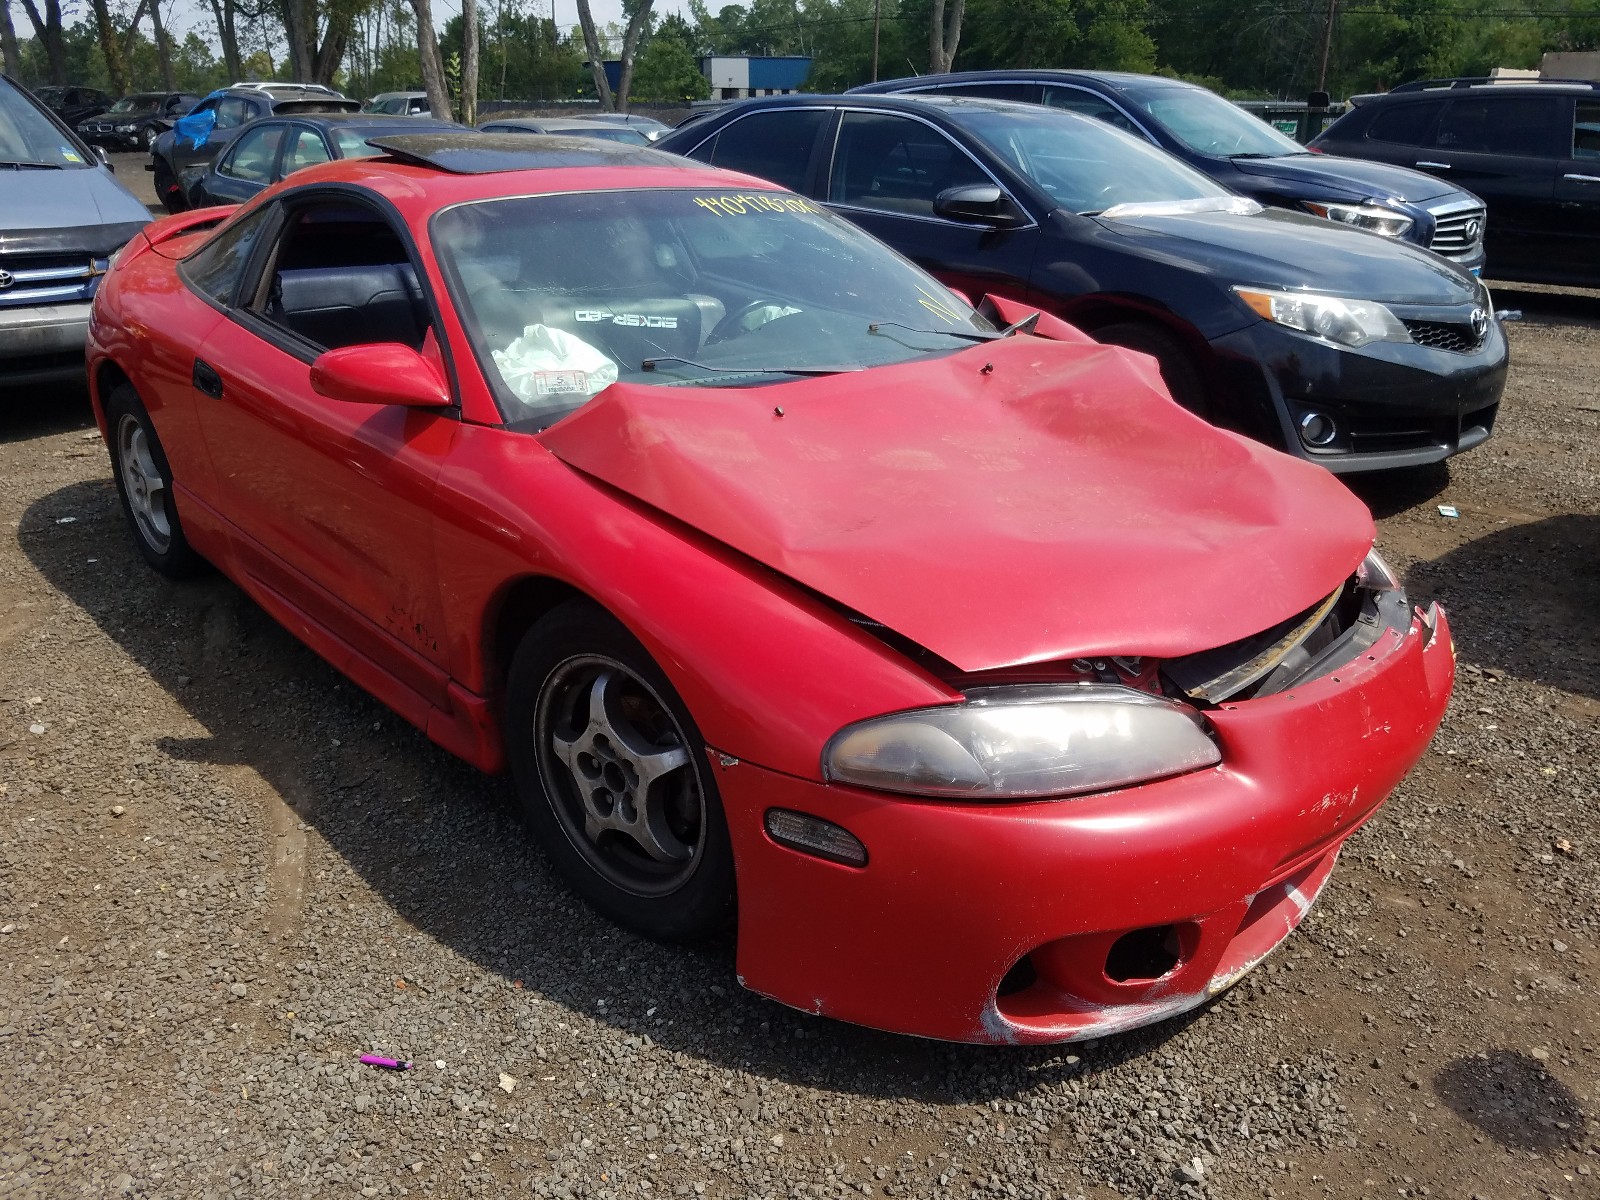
column 254, row 155
column 341, row 276
column 898, row 165
column 1089, row 105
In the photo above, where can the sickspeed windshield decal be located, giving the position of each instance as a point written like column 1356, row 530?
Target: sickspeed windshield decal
column 738, row 204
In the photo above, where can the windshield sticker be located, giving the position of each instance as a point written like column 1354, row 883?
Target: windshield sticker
column 939, row 307
column 737, row 205
column 561, row 383
column 69, row 155
column 630, row 320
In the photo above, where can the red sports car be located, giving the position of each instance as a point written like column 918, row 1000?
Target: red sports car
column 1011, row 702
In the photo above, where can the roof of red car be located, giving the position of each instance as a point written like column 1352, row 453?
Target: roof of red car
column 423, row 172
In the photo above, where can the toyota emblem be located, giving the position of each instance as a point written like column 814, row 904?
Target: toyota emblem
column 6, row 279
column 1474, row 229
column 1480, row 323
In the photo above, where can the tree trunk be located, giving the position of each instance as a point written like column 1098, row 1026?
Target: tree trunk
column 228, row 35
column 428, row 58
column 330, row 55
column 47, row 29
column 944, row 37
column 10, row 52
column 469, row 62
column 163, row 47
column 597, row 64
column 130, row 36
column 300, row 29
column 637, row 24
column 110, row 50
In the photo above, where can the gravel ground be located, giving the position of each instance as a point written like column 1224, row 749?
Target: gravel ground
column 225, row 873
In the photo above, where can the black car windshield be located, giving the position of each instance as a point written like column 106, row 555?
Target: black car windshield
column 1085, row 165
column 1207, row 124
column 142, row 103
column 564, row 295
column 30, row 139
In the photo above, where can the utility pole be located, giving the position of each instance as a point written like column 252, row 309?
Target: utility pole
column 877, row 20
column 1327, row 45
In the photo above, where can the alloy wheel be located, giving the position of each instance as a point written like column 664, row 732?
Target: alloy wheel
column 144, row 485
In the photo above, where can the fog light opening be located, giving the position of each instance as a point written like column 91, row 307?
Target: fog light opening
column 814, row 836
column 1020, row 978
column 1318, row 429
column 1144, row 955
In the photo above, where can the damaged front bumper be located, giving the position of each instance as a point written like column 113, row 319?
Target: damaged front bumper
column 1061, row 920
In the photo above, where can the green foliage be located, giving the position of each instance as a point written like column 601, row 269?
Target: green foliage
column 667, row 72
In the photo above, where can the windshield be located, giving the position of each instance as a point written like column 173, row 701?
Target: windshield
column 630, row 137
column 1085, row 165
column 143, row 103
column 1207, row 124
column 30, row 139
column 564, row 295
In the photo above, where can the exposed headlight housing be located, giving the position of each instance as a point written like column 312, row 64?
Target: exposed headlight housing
column 1023, row 743
column 1346, row 322
column 1377, row 574
column 1374, row 218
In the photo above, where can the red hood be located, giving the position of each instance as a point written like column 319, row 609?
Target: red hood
column 1059, row 505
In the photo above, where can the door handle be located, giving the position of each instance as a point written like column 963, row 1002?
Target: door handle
column 1434, row 165
column 206, row 379
column 1583, row 178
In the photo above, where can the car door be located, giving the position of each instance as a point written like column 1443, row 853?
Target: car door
column 246, row 167
column 332, row 501
column 1504, row 149
column 1396, row 132
column 779, row 144
column 1576, row 220
column 886, row 172
column 305, row 147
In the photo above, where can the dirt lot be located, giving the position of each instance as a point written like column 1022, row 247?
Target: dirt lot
column 225, row 873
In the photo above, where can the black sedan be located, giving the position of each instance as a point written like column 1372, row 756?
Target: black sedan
column 134, row 122
column 73, row 104
column 1242, row 152
column 1349, row 350
column 267, row 150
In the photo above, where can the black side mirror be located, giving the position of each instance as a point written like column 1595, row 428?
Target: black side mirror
column 977, row 204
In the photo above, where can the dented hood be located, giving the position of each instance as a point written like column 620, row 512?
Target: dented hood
column 1056, row 505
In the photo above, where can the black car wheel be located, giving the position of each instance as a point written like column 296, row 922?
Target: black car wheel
column 147, row 137
column 167, row 189
column 613, row 776
column 1179, row 371
column 144, row 483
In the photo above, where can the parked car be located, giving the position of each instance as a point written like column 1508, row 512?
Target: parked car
column 758, row 555
column 62, row 216
column 1242, row 152
column 583, row 127
column 399, row 104
column 653, row 129
column 134, row 122
column 198, row 137
column 73, row 104
column 1355, row 352
column 269, row 149
column 1530, row 148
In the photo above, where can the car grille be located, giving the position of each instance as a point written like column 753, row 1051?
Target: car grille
column 1458, row 232
column 48, row 278
column 1459, row 338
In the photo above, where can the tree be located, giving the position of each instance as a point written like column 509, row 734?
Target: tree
column 944, row 34
column 10, row 52
column 469, row 62
column 225, row 13
column 47, row 28
column 597, row 60
column 428, row 61
column 669, row 73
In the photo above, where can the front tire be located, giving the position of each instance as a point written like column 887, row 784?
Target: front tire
column 144, row 484
column 167, row 188
column 613, row 776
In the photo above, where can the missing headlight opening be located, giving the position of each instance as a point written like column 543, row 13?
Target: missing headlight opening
column 1308, row 645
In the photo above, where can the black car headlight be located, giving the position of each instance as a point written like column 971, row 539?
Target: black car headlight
column 1346, row 322
column 1021, row 743
column 1374, row 218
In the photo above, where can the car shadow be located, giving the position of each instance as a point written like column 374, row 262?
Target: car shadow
column 1548, row 306
column 40, row 410
column 444, row 847
column 1389, row 493
column 1514, row 1099
column 1523, row 600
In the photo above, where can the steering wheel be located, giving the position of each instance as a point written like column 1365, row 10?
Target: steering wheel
column 735, row 324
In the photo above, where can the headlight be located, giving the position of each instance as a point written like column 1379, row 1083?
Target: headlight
column 1377, row 574
column 126, row 128
column 1348, row 322
column 1371, row 217
column 1019, row 743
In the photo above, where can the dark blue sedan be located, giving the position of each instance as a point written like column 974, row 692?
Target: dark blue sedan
column 274, row 147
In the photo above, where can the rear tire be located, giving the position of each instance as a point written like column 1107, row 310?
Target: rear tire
column 144, row 484
column 1179, row 371
column 613, row 777
column 167, row 189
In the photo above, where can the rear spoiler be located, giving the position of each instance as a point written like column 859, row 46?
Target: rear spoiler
column 195, row 221
column 317, row 104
